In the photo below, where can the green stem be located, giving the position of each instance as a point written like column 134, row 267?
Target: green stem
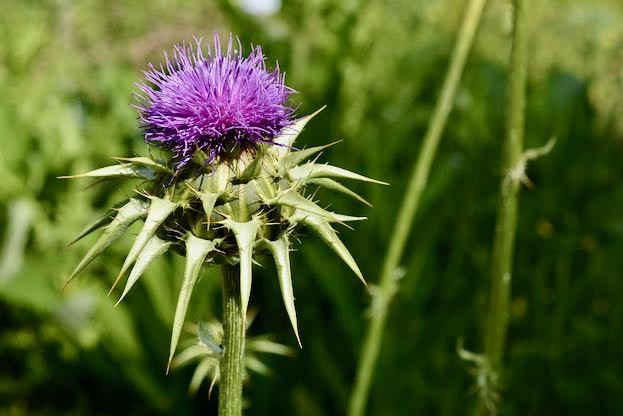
column 502, row 258
column 232, row 362
column 409, row 207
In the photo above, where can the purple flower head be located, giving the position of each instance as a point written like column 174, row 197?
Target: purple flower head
column 215, row 103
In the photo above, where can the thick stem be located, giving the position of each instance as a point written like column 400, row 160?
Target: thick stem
column 232, row 362
column 502, row 258
column 410, row 205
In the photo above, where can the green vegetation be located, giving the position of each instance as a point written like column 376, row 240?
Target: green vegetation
column 66, row 81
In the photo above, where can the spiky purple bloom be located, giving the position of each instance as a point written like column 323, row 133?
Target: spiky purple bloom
column 215, row 103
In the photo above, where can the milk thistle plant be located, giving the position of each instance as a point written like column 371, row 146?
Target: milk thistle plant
column 231, row 186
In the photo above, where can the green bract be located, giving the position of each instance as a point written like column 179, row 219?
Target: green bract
column 206, row 350
column 224, row 213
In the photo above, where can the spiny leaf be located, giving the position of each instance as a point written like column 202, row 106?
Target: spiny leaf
column 322, row 227
column 201, row 372
column 336, row 186
column 254, row 364
column 293, row 199
column 209, row 336
column 215, row 376
column 315, row 170
column 253, row 169
column 159, row 210
column 128, row 170
column 146, row 161
column 154, row 248
column 294, row 158
column 245, row 233
column 126, row 216
column 215, row 181
column 280, row 249
column 96, row 224
column 196, row 251
column 343, row 219
column 289, row 135
column 189, row 355
column 208, row 200
column 346, row 218
column 264, row 344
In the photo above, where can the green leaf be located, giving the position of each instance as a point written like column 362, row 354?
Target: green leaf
column 253, row 169
column 215, row 181
column 245, row 233
column 201, row 372
column 147, row 162
column 190, row 354
column 208, row 200
column 215, row 376
column 346, row 218
column 315, row 170
column 209, row 337
column 127, row 170
column 20, row 216
column 196, row 251
column 295, row 200
column 97, row 223
column 254, row 364
column 336, row 186
column 280, row 249
column 289, row 135
column 322, row 227
column 159, row 210
column 294, row 158
column 154, row 248
column 263, row 344
column 126, row 216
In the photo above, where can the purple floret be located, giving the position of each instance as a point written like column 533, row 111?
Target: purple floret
column 215, row 103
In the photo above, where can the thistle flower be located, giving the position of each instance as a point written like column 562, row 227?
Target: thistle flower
column 235, row 187
column 215, row 103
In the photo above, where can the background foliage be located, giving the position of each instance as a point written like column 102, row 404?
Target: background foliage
column 67, row 70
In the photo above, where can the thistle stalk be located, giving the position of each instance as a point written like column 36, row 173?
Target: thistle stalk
column 502, row 258
column 409, row 208
column 232, row 361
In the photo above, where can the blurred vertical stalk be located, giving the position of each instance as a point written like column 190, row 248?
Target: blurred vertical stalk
column 512, row 172
column 417, row 182
column 232, row 362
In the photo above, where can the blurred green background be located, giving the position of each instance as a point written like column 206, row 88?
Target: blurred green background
column 67, row 73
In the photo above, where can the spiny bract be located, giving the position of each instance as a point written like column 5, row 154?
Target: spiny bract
column 206, row 351
column 224, row 212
